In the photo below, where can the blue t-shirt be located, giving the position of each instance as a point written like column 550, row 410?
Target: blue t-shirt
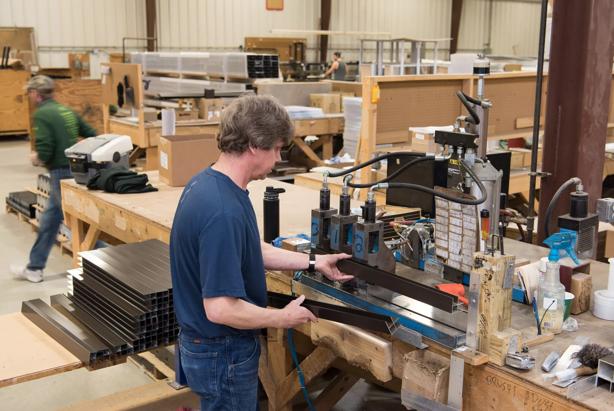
column 215, row 251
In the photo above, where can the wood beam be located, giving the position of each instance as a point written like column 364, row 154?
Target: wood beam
column 315, row 364
column 576, row 124
column 335, row 391
column 151, row 22
column 457, row 12
column 325, row 8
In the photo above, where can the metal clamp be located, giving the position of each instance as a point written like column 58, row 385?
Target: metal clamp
column 541, row 174
column 405, row 334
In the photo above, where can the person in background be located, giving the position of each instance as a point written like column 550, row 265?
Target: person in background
column 337, row 68
column 56, row 128
column 218, row 260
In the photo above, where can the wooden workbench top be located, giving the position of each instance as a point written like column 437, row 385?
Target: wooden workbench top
column 159, row 207
column 591, row 328
column 27, row 352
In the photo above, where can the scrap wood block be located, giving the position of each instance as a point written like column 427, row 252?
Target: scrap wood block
column 427, row 374
column 581, row 288
column 495, row 302
column 359, row 348
column 502, row 342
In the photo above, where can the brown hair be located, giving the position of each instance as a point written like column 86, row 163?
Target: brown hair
column 254, row 121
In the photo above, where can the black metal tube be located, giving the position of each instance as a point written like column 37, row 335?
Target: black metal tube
column 271, row 219
column 344, row 204
column 324, row 199
column 536, row 118
column 369, row 211
column 393, row 175
column 375, row 160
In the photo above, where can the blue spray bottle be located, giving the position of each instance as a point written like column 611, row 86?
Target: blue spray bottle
column 551, row 293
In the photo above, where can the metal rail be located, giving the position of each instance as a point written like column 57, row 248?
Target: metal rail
column 84, row 344
column 332, row 312
column 398, row 284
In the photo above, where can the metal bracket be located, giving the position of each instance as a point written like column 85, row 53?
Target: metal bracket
column 455, row 383
column 406, row 335
column 472, row 316
column 541, row 174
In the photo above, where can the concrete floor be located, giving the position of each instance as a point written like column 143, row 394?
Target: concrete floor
column 16, row 238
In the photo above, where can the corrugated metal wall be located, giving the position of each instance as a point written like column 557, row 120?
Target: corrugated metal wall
column 401, row 18
column 64, row 25
column 513, row 25
column 224, row 24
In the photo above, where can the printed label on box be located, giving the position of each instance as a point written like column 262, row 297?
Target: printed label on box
column 163, row 160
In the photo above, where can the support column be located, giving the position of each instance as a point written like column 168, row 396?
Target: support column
column 457, row 12
column 579, row 84
column 151, row 23
column 325, row 6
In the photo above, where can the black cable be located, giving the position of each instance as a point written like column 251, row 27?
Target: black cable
column 463, row 98
column 375, row 160
column 393, row 175
column 545, row 312
column 436, row 193
column 555, row 199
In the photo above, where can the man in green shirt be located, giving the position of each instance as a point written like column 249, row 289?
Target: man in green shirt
column 56, row 128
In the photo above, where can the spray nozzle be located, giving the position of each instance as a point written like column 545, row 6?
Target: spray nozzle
column 562, row 241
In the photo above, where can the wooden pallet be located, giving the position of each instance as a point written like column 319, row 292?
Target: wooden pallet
column 11, row 210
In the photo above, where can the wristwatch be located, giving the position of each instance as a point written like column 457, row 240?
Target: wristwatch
column 312, row 263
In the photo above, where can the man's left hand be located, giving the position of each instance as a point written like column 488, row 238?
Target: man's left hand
column 327, row 265
column 34, row 159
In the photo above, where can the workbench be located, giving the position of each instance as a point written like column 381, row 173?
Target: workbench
column 139, row 217
column 146, row 135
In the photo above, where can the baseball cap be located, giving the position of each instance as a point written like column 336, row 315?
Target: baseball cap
column 40, row 83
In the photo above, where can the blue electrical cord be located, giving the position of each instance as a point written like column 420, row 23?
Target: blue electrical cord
column 299, row 371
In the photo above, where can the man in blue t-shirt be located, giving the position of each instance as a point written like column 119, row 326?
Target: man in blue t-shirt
column 218, row 260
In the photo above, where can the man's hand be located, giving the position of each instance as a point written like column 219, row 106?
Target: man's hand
column 293, row 314
column 327, row 265
column 34, row 159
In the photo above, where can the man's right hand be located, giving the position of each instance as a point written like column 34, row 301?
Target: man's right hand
column 294, row 314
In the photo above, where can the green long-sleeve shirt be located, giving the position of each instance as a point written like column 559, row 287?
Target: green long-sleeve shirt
column 57, row 128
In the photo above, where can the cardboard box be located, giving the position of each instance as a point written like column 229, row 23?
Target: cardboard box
column 183, row 156
column 328, row 102
column 341, row 95
column 423, row 142
column 150, row 114
column 186, row 115
column 427, row 374
column 210, row 109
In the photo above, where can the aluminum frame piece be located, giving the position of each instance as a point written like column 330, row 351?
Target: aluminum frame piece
column 429, row 328
column 118, row 344
column 84, row 344
column 399, row 284
column 350, row 316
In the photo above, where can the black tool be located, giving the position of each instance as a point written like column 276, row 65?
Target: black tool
column 271, row 213
column 129, row 92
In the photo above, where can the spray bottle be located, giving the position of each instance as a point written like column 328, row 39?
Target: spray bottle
column 551, row 293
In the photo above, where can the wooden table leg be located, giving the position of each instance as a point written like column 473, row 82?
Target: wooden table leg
column 151, row 158
column 307, row 150
column 327, row 147
column 81, row 240
column 335, row 391
column 76, row 228
column 280, row 364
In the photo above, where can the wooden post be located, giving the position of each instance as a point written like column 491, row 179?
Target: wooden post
column 495, row 302
column 368, row 129
column 581, row 288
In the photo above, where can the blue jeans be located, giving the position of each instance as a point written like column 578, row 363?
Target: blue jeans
column 222, row 371
column 49, row 222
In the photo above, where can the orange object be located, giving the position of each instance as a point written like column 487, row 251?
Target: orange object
column 454, row 289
